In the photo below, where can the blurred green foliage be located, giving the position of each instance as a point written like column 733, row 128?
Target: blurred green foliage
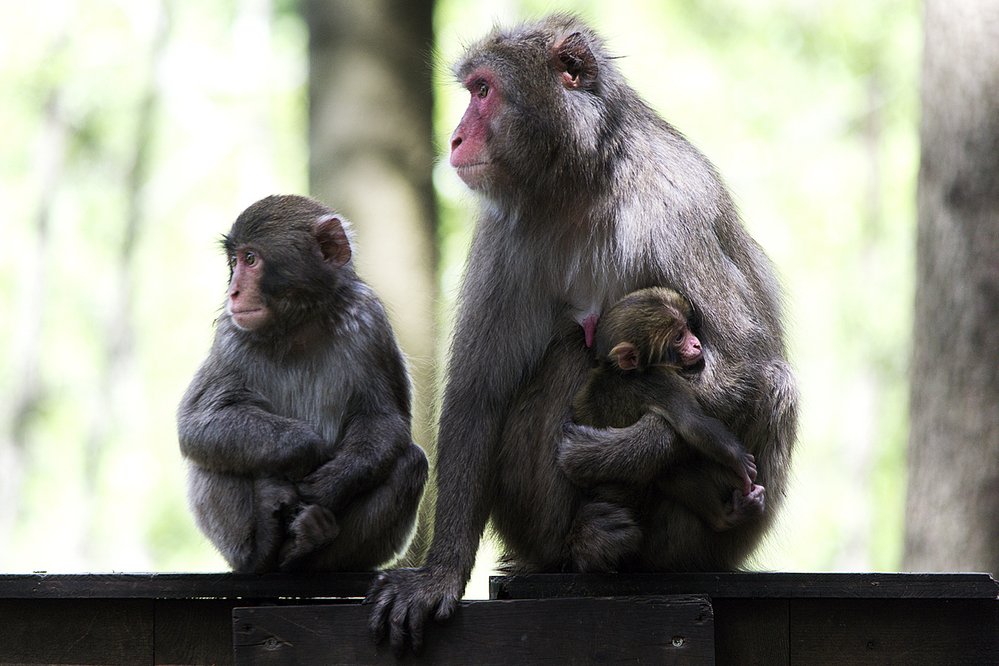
column 808, row 108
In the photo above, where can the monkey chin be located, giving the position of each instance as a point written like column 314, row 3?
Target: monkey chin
column 693, row 369
column 249, row 320
column 474, row 175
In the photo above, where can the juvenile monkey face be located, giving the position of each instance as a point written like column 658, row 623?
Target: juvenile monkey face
column 688, row 347
column 245, row 303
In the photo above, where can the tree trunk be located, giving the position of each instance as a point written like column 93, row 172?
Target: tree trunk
column 371, row 158
column 952, row 512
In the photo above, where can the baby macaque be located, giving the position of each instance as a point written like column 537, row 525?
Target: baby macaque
column 646, row 355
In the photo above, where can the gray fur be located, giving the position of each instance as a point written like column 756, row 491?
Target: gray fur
column 590, row 195
column 298, row 435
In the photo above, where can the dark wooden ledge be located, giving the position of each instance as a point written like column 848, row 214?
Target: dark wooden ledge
column 751, row 585
column 184, row 586
column 139, row 618
column 725, row 618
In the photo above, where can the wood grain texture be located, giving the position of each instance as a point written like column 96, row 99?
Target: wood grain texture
column 654, row 630
column 751, row 585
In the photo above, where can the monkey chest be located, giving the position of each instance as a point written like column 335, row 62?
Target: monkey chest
column 317, row 394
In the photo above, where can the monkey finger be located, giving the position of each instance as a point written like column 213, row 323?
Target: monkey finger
column 382, row 600
column 402, row 628
column 397, row 639
column 416, row 631
column 744, row 484
column 446, row 608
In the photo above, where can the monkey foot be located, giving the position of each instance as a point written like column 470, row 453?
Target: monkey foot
column 603, row 534
column 313, row 528
column 743, row 507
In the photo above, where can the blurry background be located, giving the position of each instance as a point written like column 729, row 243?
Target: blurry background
column 133, row 133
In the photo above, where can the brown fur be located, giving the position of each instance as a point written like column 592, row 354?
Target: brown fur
column 715, row 479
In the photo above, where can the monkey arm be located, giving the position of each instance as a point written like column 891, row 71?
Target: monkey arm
column 504, row 325
column 377, row 428
column 772, row 426
column 223, row 427
column 364, row 457
column 636, row 454
column 678, row 405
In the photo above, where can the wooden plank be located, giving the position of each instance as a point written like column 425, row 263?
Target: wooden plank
column 194, row 632
column 71, row 631
column 751, row 632
column 750, row 585
column 658, row 630
column 199, row 631
column 184, row 586
column 894, row 631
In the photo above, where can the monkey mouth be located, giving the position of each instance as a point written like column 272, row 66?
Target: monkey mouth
column 250, row 319
column 473, row 167
column 694, row 369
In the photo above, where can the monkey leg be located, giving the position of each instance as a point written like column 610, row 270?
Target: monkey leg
column 273, row 500
column 243, row 517
column 603, row 533
column 376, row 526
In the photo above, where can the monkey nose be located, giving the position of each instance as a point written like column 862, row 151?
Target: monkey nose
column 455, row 141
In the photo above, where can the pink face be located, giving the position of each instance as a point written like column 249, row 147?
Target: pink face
column 688, row 348
column 469, row 142
column 245, row 303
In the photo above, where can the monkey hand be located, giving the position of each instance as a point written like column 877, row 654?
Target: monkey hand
column 745, row 468
column 403, row 599
column 328, row 485
column 740, row 463
column 316, row 486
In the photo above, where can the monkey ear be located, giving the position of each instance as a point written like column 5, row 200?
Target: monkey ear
column 574, row 59
column 625, row 356
column 333, row 241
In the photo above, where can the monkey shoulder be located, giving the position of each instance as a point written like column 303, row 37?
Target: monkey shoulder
column 364, row 330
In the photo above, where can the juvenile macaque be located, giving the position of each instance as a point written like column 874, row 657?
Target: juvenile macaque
column 644, row 345
column 297, row 425
column 586, row 195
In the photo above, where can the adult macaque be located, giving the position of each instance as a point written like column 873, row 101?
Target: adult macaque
column 587, row 195
column 297, row 426
column 644, row 344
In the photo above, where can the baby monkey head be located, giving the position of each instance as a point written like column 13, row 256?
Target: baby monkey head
column 649, row 327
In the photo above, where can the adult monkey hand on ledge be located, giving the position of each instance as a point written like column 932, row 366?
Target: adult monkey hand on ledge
column 587, row 194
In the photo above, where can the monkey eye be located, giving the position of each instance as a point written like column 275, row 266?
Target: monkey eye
column 481, row 89
column 678, row 339
column 250, row 258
